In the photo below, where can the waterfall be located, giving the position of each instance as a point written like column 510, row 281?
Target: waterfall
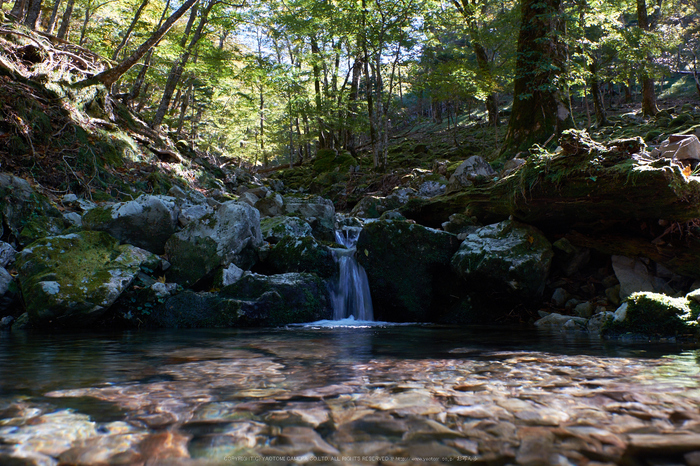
column 350, row 296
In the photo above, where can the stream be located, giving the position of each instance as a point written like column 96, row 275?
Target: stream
column 370, row 394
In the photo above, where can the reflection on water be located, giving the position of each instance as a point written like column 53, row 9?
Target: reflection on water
column 343, row 395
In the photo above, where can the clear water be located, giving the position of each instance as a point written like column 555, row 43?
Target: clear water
column 350, row 297
column 351, row 394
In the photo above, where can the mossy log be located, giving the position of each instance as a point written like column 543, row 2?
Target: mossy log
column 584, row 186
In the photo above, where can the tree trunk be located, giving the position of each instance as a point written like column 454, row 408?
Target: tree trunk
column 33, row 13
column 83, row 30
column 539, row 109
column 19, row 9
column 177, row 69
column 183, row 108
column 65, row 21
column 649, row 107
column 601, row 117
column 54, row 16
column 349, row 136
column 111, row 75
column 262, row 126
column 130, row 29
column 316, row 56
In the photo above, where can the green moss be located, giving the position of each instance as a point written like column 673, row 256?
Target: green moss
column 656, row 314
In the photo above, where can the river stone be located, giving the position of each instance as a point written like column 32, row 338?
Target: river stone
column 469, row 171
column 679, row 147
column 304, row 254
column 598, row 321
column 73, row 279
column 146, row 222
column 408, row 269
column 655, row 314
column 374, row 206
column 228, row 235
column 276, row 228
column 556, row 321
column 508, row 256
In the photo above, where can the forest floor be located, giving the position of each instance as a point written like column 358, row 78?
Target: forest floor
column 66, row 140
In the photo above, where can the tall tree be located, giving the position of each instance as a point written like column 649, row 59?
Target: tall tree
column 649, row 107
column 539, row 109
column 111, row 75
column 179, row 66
column 65, row 21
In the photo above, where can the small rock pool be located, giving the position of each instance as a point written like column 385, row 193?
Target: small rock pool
column 394, row 395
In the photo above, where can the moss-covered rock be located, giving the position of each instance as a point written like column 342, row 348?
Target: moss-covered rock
column 26, row 215
column 655, row 314
column 146, row 222
column 274, row 229
column 408, row 266
column 73, row 279
column 304, row 254
column 509, row 256
column 230, row 234
column 281, row 299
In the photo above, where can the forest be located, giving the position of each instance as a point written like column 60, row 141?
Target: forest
column 273, row 82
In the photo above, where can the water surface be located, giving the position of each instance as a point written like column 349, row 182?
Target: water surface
column 345, row 395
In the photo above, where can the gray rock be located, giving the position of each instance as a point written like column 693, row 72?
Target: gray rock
column 633, row 275
column 249, row 198
column 193, row 213
column 470, row 170
column 271, row 205
column 7, row 254
column 73, row 218
column 5, row 280
column 408, row 270
column 69, row 199
column 679, row 147
column 431, row 189
column 6, row 322
column 228, row 235
column 314, row 207
column 302, row 254
column 560, row 296
column 555, row 321
column 597, row 321
column 571, row 303
column 276, row 228
column 511, row 166
column 73, row 279
column 231, row 275
column 621, row 313
column 509, row 255
column 163, row 290
column 584, row 310
column 613, row 294
column 146, row 222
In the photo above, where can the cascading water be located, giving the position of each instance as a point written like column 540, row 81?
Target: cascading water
column 350, row 296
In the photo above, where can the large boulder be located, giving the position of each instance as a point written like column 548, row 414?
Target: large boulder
column 507, row 256
column 274, row 229
column 146, row 222
column 26, row 215
column 280, row 299
column 407, row 266
column 228, row 235
column 304, row 254
column 73, row 279
column 472, row 170
column 318, row 211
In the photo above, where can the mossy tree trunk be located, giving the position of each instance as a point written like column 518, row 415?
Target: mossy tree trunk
column 540, row 110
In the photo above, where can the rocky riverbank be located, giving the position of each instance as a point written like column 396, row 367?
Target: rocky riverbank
column 262, row 254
